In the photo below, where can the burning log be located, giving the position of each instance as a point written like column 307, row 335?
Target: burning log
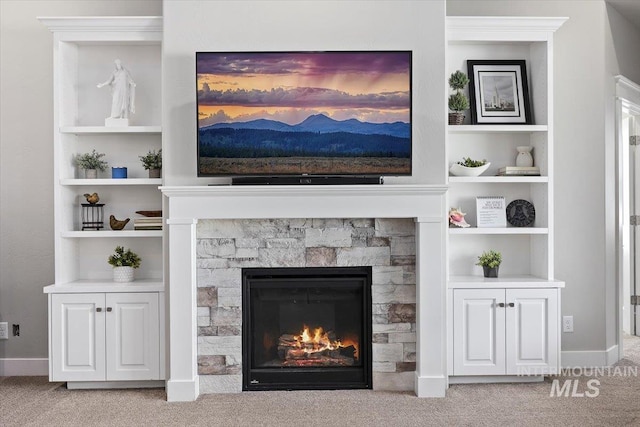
column 319, row 349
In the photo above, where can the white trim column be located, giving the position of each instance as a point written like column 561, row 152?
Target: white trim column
column 182, row 384
column 431, row 317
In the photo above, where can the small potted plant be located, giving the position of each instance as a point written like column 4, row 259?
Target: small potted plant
column 490, row 262
column 91, row 163
column 469, row 167
column 458, row 102
column 123, row 262
column 152, row 161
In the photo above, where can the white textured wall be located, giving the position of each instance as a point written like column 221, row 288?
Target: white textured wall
column 26, row 153
column 191, row 26
column 584, row 255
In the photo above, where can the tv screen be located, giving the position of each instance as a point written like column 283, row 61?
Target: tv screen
column 304, row 113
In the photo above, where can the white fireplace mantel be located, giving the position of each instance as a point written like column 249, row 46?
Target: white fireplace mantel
column 185, row 205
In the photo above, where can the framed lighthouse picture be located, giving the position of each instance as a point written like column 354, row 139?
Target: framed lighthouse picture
column 499, row 92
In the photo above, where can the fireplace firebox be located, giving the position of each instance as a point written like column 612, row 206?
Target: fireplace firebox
column 306, row 328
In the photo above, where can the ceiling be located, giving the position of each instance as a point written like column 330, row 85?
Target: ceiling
column 630, row 9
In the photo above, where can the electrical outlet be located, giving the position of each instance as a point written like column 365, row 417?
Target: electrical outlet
column 567, row 323
column 4, row 330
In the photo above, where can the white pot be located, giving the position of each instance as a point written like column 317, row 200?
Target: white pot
column 459, row 170
column 123, row 274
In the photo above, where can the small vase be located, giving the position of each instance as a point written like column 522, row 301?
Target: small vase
column 524, row 158
column 123, row 274
column 490, row 271
column 154, row 173
column 91, row 173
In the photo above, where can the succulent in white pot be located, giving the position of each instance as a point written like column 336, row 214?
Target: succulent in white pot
column 469, row 167
column 124, row 261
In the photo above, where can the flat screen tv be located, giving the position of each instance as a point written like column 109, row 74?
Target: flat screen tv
column 304, row 113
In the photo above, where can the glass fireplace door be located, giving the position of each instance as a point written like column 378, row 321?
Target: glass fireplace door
column 307, row 328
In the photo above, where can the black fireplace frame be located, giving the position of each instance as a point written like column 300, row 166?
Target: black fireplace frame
column 325, row 378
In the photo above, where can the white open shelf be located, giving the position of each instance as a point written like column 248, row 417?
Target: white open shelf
column 498, row 179
column 496, row 128
column 516, row 281
column 507, row 230
column 96, row 130
column 110, row 234
column 85, row 285
column 110, row 181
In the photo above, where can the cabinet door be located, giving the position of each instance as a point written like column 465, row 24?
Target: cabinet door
column 532, row 331
column 133, row 336
column 478, row 332
column 77, row 337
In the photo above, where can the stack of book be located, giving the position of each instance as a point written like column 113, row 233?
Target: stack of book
column 147, row 223
column 519, row 171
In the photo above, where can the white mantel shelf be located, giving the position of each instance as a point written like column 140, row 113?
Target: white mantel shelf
column 426, row 204
column 304, row 201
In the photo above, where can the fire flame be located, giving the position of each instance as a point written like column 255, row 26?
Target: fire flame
column 320, row 341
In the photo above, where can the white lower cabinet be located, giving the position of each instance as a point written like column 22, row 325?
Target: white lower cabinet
column 505, row 331
column 104, row 336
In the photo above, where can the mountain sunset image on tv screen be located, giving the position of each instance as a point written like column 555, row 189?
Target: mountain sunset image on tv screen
column 304, row 113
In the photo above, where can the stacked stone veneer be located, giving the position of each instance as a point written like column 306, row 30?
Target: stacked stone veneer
column 224, row 247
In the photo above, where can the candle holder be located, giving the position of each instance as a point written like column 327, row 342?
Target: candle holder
column 92, row 216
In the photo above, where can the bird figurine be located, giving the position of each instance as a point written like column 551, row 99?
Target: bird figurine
column 117, row 224
column 92, row 198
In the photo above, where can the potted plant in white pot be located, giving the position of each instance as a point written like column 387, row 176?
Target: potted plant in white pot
column 490, row 262
column 458, row 102
column 152, row 161
column 124, row 261
column 91, row 163
column 469, row 167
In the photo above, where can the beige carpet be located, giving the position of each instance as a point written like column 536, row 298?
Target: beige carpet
column 34, row 401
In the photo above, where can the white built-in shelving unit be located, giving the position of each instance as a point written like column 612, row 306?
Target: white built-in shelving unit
column 528, row 261
column 527, row 251
column 84, row 297
column 84, row 52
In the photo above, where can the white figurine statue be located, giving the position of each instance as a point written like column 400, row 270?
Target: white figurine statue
column 123, row 92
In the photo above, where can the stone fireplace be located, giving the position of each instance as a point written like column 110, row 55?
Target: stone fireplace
column 226, row 247
column 398, row 231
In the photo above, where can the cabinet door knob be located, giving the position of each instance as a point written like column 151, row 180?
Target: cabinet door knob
column 109, row 309
column 98, row 309
column 500, row 304
column 511, row 304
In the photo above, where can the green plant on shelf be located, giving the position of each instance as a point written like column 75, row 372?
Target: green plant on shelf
column 91, row 160
column 469, row 163
column 458, row 101
column 152, row 160
column 124, row 258
column 491, row 259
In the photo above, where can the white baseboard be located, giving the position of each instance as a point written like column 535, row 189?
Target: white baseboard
column 107, row 385
column 24, row 367
column 430, row 386
column 489, row 379
column 613, row 355
column 589, row 359
column 183, row 390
